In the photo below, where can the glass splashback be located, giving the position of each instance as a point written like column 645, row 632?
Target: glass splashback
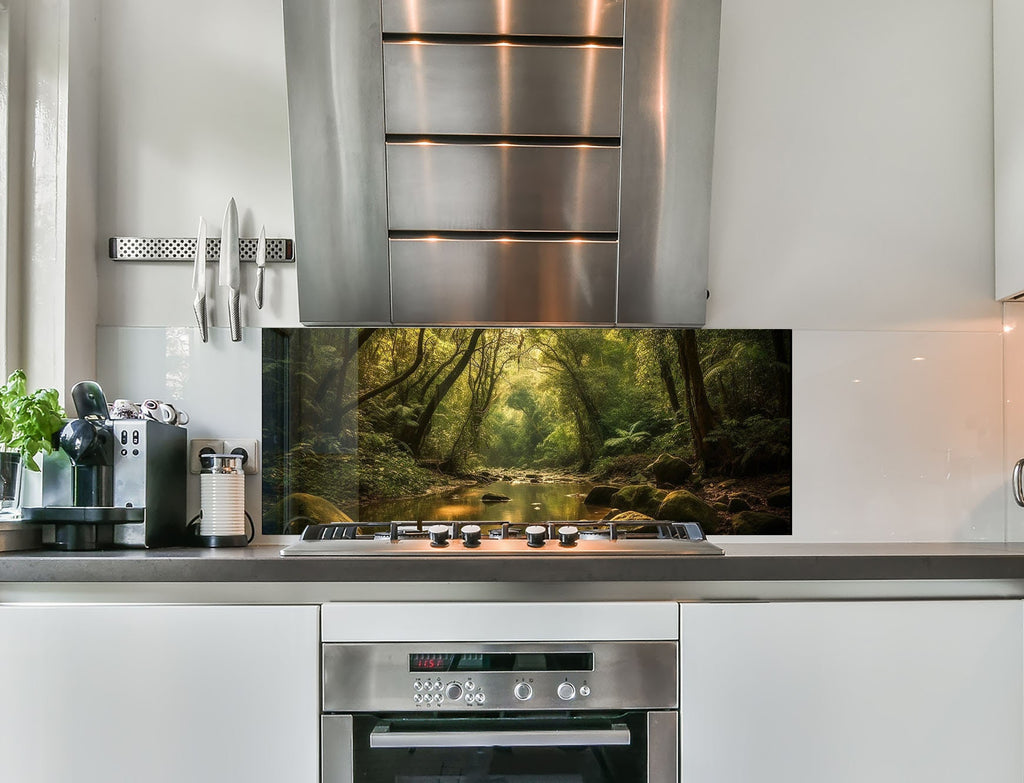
column 527, row 425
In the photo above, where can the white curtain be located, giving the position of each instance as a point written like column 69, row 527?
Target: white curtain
column 5, row 187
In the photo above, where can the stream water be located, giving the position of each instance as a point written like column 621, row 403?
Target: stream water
column 529, row 503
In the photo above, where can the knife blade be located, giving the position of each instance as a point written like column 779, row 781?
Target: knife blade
column 229, row 272
column 261, row 262
column 199, row 282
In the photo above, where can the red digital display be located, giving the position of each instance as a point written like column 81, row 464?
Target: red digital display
column 430, row 662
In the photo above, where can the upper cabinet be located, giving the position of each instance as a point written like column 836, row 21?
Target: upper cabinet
column 516, row 162
column 1008, row 107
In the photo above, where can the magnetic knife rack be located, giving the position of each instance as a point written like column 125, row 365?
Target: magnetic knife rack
column 279, row 251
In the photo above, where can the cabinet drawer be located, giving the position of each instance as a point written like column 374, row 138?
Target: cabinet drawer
column 502, row 89
column 502, row 281
column 502, row 187
column 597, row 18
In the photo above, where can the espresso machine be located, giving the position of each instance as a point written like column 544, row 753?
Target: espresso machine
column 110, row 483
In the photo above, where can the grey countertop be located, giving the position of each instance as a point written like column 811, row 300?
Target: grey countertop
column 743, row 562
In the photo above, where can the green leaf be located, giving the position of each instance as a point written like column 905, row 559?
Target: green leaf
column 28, row 422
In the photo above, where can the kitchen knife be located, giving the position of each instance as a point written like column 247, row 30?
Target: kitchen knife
column 229, row 274
column 199, row 281
column 261, row 262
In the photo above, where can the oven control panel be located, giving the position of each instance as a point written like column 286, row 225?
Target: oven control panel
column 441, row 692
column 524, row 676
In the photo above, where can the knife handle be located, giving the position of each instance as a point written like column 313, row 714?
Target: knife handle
column 258, row 294
column 234, row 317
column 199, row 306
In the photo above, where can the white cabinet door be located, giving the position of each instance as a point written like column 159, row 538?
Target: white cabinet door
column 160, row 694
column 1008, row 119
column 886, row 692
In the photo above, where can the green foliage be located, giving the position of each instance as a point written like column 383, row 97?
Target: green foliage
column 631, row 440
column 604, row 400
column 621, row 468
column 762, row 444
column 387, row 470
column 28, row 421
column 559, row 448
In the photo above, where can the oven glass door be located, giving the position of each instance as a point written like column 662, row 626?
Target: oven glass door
column 605, row 748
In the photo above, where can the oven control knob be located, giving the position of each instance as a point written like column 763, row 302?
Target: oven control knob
column 438, row 535
column 535, row 535
column 568, row 535
column 522, row 691
column 471, row 535
column 584, row 690
column 453, row 692
column 566, row 691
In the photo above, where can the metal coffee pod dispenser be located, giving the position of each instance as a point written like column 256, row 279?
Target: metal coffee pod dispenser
column 222, row 497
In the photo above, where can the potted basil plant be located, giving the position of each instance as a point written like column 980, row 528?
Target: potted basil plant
column 28, row 423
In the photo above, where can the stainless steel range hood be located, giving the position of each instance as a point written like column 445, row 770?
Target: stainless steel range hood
column 537, row 162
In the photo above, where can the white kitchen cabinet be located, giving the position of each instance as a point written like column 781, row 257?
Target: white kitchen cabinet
column 1008, row 132
column 161, row 694
column 900, row 692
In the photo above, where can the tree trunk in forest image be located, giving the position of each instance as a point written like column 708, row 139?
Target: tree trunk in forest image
column 783, row 372
column 371, row 393
column 417, row 435
column 590, row 428
column 670, row 384
column 337, row 376
column 482, row 384
column 712, row 455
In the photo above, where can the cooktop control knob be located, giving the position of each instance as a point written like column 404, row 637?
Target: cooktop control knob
column 566, row 691
column 568, row 535
column 453, row 692
column 535, row 535
column 471, row 535
column 522, row 691
column 438, row 535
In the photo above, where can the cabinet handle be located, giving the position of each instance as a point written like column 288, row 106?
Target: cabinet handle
column 382, row 737
column 1018, row 486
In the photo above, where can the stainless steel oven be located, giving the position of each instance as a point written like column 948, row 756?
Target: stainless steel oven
column 521, row 712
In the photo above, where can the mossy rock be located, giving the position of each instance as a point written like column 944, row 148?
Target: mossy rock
column 760, row 523
column 612, row 514
column 303, row 509
column 780, row 498
column 720, row 506
column 667, row 469
column 639, row 497
column 631, row 516
column 494, row 497
column 601, row 495
column 737, row 504
column 684, row 506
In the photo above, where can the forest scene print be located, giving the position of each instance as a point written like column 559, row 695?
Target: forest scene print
column 528, row 425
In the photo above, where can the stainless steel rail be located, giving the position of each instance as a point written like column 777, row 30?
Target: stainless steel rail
column 383, row 737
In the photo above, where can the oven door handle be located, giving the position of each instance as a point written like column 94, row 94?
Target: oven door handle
column 383, row 737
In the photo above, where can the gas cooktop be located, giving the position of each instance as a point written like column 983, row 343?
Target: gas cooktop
column 461, row 539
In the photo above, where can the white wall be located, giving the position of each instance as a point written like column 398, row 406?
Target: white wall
column 194, row 112
column 852, row 203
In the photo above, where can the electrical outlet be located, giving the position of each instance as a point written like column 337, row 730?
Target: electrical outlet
column 248, row 448
column 199, row 446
